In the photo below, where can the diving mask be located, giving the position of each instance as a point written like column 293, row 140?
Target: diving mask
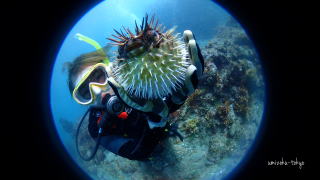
column 91, row 83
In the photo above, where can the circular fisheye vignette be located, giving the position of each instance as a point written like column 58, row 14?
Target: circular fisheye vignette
column 68, row 35
column 261, row 128
column 51, row 125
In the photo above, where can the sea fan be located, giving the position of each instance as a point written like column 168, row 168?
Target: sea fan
column 150, row 64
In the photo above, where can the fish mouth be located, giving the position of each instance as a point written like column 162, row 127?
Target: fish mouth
column 149, row 35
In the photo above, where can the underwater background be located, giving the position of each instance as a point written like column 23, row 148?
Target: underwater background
column 219, row 121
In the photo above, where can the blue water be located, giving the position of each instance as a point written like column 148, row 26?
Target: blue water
column 200, row 16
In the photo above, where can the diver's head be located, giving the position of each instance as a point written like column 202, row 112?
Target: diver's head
column 87, row 77
column 80, row 64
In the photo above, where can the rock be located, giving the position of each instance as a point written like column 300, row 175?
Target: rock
column 67, row 125
column 99, row 156
column 197, row 156
column 128, row 167
column 109, row 157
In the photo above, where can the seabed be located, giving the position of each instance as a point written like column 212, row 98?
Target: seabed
column 219, row 121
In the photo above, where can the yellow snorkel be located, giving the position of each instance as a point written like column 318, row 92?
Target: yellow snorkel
column 95, row 44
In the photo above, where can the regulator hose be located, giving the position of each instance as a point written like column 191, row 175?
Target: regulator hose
column 98, row 139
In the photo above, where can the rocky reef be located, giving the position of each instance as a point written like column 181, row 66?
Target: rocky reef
column 219, row 121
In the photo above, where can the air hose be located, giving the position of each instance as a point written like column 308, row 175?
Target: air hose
column 98, row 138
column 111, row 107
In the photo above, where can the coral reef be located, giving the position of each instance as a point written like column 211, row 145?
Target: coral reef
column 191, row 126
column 219, row 120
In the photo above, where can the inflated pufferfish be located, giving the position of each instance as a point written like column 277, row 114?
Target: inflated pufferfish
column 151, row 63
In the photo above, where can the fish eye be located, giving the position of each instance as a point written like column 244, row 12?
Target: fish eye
column 133, row 44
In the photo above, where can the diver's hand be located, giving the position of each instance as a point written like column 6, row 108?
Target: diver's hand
column 194, row 71
column 194, row 51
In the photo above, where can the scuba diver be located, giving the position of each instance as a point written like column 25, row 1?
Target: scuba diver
column 125, row 125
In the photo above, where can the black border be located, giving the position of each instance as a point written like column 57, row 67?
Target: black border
column 281, row 31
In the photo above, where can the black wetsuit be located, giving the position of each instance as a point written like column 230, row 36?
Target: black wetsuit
column 131, row 138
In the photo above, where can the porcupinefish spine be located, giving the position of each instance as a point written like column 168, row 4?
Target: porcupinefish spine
column 157, row 73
